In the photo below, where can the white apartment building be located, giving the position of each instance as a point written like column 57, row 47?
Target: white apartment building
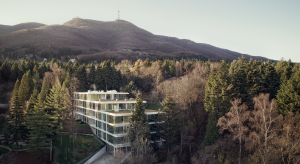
column 108, row 114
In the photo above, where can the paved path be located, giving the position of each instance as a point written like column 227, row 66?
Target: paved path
column 106, row 158
column 6, row 147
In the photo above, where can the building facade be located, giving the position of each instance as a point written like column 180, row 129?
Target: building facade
column 108, row 114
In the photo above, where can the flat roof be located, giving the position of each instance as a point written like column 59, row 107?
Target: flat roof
column 101, row 92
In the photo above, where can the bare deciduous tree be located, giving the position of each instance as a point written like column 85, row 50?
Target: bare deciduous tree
column 234, row 121
column 265, row 123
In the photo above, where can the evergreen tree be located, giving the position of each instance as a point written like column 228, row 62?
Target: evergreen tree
column 38, row 123
column 254, row 79
column 138, row 118
column 270, row 80
column 129, row 88
column 21, row 70
column 36, row 81
column 212, row 131
column 224, row 88
column 212, row 106
column 170, row 127
column 99, row 79
column 17, row 118
column 75, row 66
column 5, row 71
column 67, row 80
column 288, row 96
column 81, row 76
column 26, row 87
column 284, row 70
column 210, row 92
column 172, row 69
column 32, row 101
column 42, row 69
column 14, row 72
column 44, row 91
column 55, row 106
column 237, row 72
column 91, row 77
column 127, row 71
column 147, row 63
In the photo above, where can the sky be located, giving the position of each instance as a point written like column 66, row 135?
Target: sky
column 268, row 28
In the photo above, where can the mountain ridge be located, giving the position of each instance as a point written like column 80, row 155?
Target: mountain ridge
column 112, row 36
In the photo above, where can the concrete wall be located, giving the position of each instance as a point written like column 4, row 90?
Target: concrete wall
column 96, row 156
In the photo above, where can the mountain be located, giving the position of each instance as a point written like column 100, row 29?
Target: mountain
column 100, row 40
column 4, row 29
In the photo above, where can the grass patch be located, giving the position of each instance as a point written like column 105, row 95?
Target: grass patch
column 14, row 146
column 82, row 125
column 84, row 146
column 3, row 150
column 153, row 106
column 2, row 127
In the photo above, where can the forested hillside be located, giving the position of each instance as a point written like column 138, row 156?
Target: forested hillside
column 218, row 112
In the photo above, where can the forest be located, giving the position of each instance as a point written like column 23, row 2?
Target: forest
column 212, row 112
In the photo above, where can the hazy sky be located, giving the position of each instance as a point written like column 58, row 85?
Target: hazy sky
column 269, row 28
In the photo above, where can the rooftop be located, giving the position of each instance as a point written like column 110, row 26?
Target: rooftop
column 102, row 92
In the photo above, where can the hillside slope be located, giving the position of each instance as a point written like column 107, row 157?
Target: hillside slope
column 102, row 37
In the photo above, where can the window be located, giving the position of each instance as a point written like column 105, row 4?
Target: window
column 126, row 119
column 122, row 106
column 111, row 119
column 104, row 117
column 104, row 126
column 99, row 116
column 103, row 107
column 115, row 106
column 152, row 118
column 108, row 97
column 118, row 119
column 129, row 106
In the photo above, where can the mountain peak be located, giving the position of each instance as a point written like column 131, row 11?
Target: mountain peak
column 76, row 22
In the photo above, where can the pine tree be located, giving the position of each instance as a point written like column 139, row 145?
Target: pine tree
column 224, row 88
column 99, row 79
column 240, row 89
column 36, row 81
column 284, row 70
column 5, row 71
column 55, row 106
column 38, row 123
column 147, row 63
column 67, row 80
column 288, row 96
column 211, row 133
column 26, row 87
column 14, row 72
column 44, row 91
column 170, row 127
column 32, row 101
column 254, row 79
column 81, row 76
column 129, row 88
column 270, row 80
column 210, row 92
column 42, row 69
column 138, row 118
column 17, row 117
column 91, row 77
column 21, row 70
